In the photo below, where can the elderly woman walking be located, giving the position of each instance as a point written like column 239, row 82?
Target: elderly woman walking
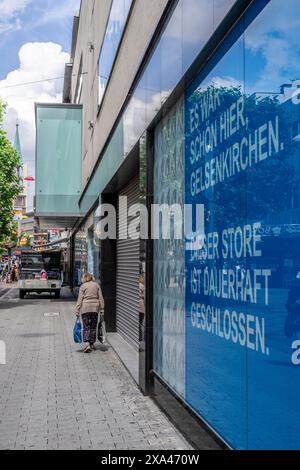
column 89, row 304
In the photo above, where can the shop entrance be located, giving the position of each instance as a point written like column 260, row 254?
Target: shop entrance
column 128, row 259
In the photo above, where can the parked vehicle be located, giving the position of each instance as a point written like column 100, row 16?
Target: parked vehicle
column 39, row 273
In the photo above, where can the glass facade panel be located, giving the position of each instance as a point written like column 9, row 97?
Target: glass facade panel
column 272, row 67
column 153, row 85
column 87, row 252
column 242, row 294
column 97, row 245
column 216, row 369
column 197, row 28
column 80, row 256
column 58, row 159
column 171, row 54
column 115, row 27
column 135, row 117
column 169, row 285
column 90, row 251
column 221, row 7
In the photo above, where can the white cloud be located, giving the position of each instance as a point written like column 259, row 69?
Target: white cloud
column 38, row 61
column 9, row 8
column 5, row 27
column 65, row 10
column 9, row 11
column 275, row 36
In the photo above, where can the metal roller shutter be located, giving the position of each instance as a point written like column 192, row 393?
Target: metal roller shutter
column 128, row 259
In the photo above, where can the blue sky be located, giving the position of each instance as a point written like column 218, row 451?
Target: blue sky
column 35, row 42
column 33, row 21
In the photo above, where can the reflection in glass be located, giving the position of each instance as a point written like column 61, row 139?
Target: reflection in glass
column 215, row 370
column 80, row 256
column 153, row 85
column 90, row 251
column 171, row 53
column 135, row 117
column 197, row 28
column 242, row 161
column 168, row 275
column 96, row 245
column 272, row 57
column 189, row 28
column 221, row 7
column 115, row 27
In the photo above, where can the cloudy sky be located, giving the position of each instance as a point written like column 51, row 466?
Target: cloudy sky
column 35, row 41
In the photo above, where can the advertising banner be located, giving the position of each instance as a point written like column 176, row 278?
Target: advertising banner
column 243, row 283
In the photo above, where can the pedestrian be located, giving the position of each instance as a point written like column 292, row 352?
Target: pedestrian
column 4, row 273
column 89, row 304
column 8, row 277
column 13, row 273
column 17, row 272
column 43, row 275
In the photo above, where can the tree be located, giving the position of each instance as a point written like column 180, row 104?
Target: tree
column 10, row 183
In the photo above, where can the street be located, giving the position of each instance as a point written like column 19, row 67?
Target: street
column 55, row 397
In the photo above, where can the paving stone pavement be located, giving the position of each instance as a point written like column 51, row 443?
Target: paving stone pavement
column 54, row 397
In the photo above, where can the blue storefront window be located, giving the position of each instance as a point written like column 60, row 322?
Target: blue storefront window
column 243, row 286
column 209, row 365
column 272, row 55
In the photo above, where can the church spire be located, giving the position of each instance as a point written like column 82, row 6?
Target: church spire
column 17, row 144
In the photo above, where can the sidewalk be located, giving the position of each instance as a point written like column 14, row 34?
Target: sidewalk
column 8, row 291
column 54, row 397
column 4, row 285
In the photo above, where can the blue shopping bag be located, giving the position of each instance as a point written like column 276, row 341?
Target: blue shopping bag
column 77, row 332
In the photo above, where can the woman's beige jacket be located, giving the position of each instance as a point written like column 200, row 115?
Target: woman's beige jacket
column 90, row 299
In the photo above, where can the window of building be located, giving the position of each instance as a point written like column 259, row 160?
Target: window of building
column 81, row 256
column 115, row 27
column 79, row 84
column 20, row 201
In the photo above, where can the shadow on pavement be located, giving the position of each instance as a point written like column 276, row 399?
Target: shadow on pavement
column 97, row 349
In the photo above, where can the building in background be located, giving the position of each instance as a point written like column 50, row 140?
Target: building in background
column 27, row 230
column 20, row 206
column 189, row 102
column 21, row 201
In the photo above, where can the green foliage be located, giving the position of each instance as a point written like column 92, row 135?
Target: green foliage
column 10, row 183
column 25, row 237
